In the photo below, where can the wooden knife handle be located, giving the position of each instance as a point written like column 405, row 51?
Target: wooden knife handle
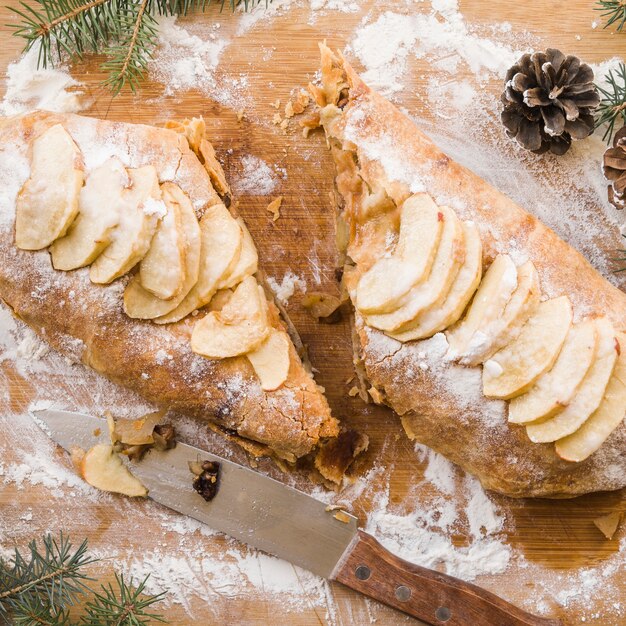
column 433, row 597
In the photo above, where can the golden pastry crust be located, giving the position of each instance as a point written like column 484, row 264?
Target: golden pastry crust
column 379, row 149
column 86, row 322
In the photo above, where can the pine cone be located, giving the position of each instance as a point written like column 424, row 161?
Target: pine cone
column 549, row 99
column 615, row 169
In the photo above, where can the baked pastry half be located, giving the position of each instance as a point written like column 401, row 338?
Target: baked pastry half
column 496, row 343
column 120, row 250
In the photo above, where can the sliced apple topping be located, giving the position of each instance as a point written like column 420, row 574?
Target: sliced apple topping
column 222, row 239
column 557, row 387
column 48, row 202
column 162, row 270
column 449, row 309
column 588, row 396
column 241, row 326
column 494, row 334
column 247, row 264
column 102, row 468
column 494, row 293
column 99, row 205
column 271, row 360
column 514, row 369
column 142, row 208
column 608, row 416
column 139, row 302
column 382, row 288
column 448, row 260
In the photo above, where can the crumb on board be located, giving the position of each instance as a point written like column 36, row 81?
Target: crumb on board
column 608, row 524
column 274, row 207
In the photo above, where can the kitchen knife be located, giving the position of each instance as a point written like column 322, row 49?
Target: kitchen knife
column 287, row 523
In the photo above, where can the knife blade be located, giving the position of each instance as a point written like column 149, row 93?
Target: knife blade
column 287, row 523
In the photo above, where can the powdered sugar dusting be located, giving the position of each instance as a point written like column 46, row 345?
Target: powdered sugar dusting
column 255, row 177
column 29, row 88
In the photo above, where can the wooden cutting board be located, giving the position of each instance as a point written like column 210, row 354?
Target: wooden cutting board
column 557, row 537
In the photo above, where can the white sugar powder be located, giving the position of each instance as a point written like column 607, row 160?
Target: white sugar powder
column 29, row 88
column 255, row 177
column 284, row 289
column 385, row 45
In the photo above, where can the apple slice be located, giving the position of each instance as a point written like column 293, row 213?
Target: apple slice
column 140, row 303
column 513, row 370
column 448, row 260
column 102, row 468
column 48, row 202
column 240, row 327
column 447, row 311
column 222, row 243
column 557, row 387
column 588, row 396
column 382, row 288
column 247, row 263
column 494, row 293
column 142, row 208
column 271, row 360
column 99, row 206
column 494, row 334
column 162, row 270
column 609, row 415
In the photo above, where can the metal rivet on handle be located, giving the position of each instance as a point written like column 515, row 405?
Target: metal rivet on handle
column 363, row 572
column 443, row 613
column 403, row 593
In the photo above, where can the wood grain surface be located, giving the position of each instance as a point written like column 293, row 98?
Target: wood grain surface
column 558, row 537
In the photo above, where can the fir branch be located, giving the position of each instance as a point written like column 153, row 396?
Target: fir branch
column 614, row 11
column 137, row 39
column 123, row 606
column 612, row 107
column 38, row 590
column 125, row 30
column 50, row 578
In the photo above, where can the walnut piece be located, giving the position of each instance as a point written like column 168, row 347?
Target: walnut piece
column 206, row 481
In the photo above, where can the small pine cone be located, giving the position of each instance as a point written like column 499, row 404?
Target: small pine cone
column 549, row 99
column 615, row 169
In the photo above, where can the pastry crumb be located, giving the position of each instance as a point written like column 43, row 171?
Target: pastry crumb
column 274, row 207
column 608, row 524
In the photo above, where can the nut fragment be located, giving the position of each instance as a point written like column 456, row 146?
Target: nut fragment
column 206, row 481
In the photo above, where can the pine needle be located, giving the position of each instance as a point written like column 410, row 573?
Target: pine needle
column 612, row 107
column 41, row 588
column 123, row 605
column 614, row 11
column 124, row 30
column 47, row 582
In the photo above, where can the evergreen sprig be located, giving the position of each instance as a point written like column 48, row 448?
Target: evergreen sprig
column 613, row 11
column 50, row 579
column 41, row 588
column 121, row 605
column 124, row 30
column 612, row 107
